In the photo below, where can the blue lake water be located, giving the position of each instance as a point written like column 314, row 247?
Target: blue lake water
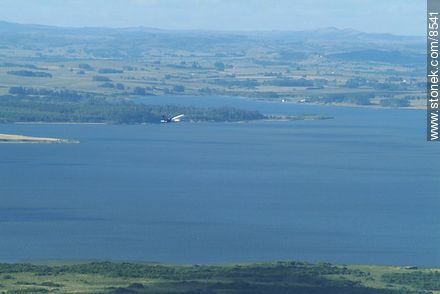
column 362, row 188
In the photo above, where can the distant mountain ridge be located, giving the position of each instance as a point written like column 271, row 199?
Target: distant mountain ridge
column 324, row 33
column 331, row 42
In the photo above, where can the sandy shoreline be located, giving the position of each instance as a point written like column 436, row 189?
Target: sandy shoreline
column 372, row 106
column 24, row 139
column 56, row 123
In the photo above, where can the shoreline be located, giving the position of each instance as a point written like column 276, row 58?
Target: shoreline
column 56, row 123
column 372, row 106
column 5, row 139
column 278, row 100
column 365, row 106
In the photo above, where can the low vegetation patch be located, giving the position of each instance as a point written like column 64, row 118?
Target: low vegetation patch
column 277, row 277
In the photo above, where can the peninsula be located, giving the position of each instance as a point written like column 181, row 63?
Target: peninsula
column 24, row 139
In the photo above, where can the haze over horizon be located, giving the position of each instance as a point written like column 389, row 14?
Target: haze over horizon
column 404, row 17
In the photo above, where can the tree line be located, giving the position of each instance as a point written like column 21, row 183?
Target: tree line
column 20, row 109
column 28, row 73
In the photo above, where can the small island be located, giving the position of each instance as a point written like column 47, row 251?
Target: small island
column 24, row 139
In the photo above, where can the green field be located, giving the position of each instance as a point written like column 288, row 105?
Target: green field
column 278, row 277
column 118, row 64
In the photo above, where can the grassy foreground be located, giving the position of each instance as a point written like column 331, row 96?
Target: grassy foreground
column 278, row 277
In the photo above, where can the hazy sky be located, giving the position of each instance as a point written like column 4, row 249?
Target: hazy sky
column 384, row 16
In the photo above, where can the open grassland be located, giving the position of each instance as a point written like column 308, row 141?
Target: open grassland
column 279, row 277
column 241, row 78
column 326, row 67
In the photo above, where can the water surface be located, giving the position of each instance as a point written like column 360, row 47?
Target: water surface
column 362, row 188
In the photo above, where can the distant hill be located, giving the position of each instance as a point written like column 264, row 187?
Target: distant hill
column 131, row 42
